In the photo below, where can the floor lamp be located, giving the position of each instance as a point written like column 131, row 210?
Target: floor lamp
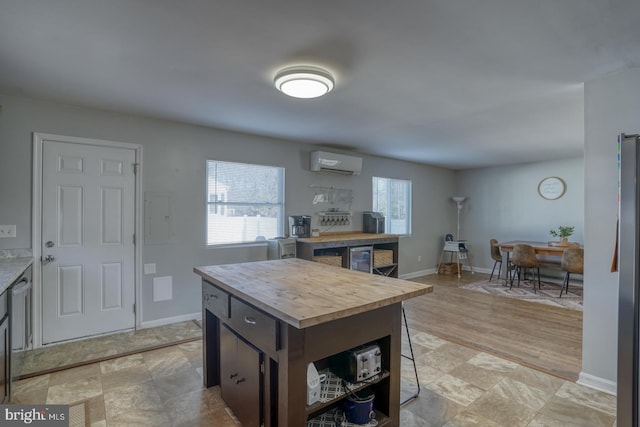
column 458, row 200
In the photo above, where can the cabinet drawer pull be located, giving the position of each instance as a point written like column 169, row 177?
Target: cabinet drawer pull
column 241, row 380
column 250, row 320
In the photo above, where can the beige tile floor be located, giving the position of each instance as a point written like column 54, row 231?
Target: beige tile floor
column 79, row 352
column 459, row 387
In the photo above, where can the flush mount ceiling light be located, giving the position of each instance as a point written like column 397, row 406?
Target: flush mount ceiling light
column 304, row 82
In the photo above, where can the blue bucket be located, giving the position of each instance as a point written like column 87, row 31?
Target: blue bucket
column 359, row 410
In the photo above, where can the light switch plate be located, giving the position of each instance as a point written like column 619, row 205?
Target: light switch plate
column 7, row 231
column 150, row 268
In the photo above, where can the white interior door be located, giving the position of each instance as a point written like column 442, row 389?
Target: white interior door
column 88, row 252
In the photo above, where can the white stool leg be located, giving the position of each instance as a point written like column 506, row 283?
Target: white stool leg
column 440, row 262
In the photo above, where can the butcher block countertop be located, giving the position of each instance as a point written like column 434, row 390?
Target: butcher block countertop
column 304, row 293
column 346, row 237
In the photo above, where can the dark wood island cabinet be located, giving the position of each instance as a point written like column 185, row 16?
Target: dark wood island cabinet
column 264, row 322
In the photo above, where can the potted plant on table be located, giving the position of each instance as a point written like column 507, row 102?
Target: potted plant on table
column 563, row 232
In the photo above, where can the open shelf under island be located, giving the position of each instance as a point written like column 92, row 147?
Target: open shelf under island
column 264, row 322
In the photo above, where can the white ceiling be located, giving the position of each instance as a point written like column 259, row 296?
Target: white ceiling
column 456, row 83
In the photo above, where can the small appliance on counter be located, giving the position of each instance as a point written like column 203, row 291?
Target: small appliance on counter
column 373, row 222
column 281, row 248
column 358, row 364
column 300, row 226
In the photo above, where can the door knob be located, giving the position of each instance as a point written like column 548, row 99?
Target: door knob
column 48, row 259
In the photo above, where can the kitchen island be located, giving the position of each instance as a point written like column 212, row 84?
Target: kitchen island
column 264, row 322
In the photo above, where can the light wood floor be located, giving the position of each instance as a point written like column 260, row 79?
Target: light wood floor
column 539, row 336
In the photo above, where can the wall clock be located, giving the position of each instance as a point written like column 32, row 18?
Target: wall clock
column 552, row 188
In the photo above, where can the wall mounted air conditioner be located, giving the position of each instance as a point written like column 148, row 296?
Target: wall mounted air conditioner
column 336, row 163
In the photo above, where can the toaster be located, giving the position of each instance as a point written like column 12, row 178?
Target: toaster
column 358, row 364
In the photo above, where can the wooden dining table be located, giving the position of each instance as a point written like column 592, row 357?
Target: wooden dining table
column 552, row 253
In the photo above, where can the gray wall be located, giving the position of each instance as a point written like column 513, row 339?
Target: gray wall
column 612, row 106
column 174, row 157
column 174, row 161
column 503, row 203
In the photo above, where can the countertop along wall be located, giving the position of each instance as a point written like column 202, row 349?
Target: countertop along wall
column 174, row 162
column 503, row 203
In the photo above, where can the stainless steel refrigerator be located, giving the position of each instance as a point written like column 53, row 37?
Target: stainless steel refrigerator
column 629, row 287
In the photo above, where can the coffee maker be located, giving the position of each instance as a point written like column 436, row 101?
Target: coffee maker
column 372, row 222
column 300, row 226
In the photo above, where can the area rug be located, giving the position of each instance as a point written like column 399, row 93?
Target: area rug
column 547, row 295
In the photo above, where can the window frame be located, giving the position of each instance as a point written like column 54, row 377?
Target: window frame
column 225, row 204
column 409, row 196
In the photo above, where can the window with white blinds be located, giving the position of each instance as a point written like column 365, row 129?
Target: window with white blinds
column 245, row 203
column 392, row 197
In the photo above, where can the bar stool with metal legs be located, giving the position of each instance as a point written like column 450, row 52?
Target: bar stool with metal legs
column 412, row 358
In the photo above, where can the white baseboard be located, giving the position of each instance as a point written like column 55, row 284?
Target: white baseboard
column 170, row 320
column 598, row 383
column 417, row 274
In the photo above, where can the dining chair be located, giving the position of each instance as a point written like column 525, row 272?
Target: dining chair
column 496, row 256
column 572, row 261
column 523, row 258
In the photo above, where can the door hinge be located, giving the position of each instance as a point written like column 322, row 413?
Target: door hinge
column 135, row 167
column 261, row 367
column 134, row 238
column 134, row 308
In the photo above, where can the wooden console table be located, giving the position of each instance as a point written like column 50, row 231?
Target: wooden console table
column 338, row 244
column 264, row 322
